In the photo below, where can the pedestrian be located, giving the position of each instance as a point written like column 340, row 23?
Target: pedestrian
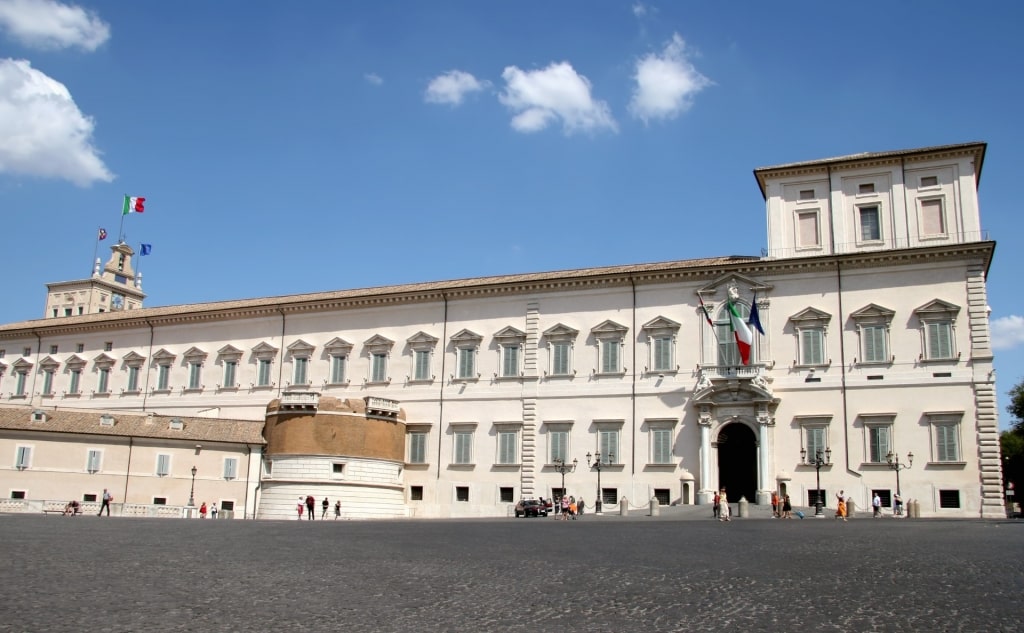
column 723, row 507
column 897, row 505
column 716, row 508
column 841, row 508
column 564, row 503
column 337, row 509
column 301, row 506
column 876, row 506
column 775, row 505
column 787, row 508
column 572, row 508
column 840, row 496
column 579, row 506
column 213, row 511
column 202, row 510
column 326, row 504
column 107, row 498
column 311, row 506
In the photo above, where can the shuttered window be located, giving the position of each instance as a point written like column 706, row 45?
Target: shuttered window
column 662, row 353
column 417, row 448
column 508, row 447
column 133, row 379
column 301, row 370
column 463, row 447
column 467, row 362
column 940, row 339
column 560, row 365
column 23, row 457
column 47, row 382
column 230, row 367
column 510, row 360
column 875, row 348
column 379, row 368
column 263, row 372
column 661, row 446
column 163, row 465
column 947, row 443
column 76, row 377
column 559, row 446
column 812, row 342
column 230, row 467
column 338, row 369
column 93, row 461
column 610, row 357
column 815, row 441
column 104, row 381
column 422, row 364
column 195, row 375
column 879, row 443
column 608, row 441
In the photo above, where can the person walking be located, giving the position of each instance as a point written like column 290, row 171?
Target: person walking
column 337, row 509
column 897, row 505
column 326, row 504
column 876, row 506
column 716, row 508
column 202, row 510
column 841, row 508
column 775, row 504
column 565, row 507
column 107, row 498
column 579, row 507
column 301, row 507
column 311, row 506
column 213, row 511
column 723, row 507
column 787, row 508
column 572, row 508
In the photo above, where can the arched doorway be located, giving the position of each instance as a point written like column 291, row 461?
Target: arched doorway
column 737, row 462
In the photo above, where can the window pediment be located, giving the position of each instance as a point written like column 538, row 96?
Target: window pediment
column 75, row 362
column 104, row 361
column 811, row 317
column 466, row 337
column 421, row 340
column 21, row 364
column 264, row 351
column 164, row 357
column 609, row 330
column 301, row 348
column 378, row 344
column 937, row 310
column 661, row 326
column 733, row 280
column 561, row 332
column 873, row 313
column 229, row 352
column 510, row 334
column 133, row 359
column 194, row 355
column 338, row 346
column 49, row 363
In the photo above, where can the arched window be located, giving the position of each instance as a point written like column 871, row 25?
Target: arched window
column 728, row 352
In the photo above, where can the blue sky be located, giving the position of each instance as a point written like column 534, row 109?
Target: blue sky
column 286, row 148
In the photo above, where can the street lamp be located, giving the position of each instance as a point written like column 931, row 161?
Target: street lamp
column 598, row 465
column 563, row 468
column 819, row 461
column 894, row 464
column 191, row 493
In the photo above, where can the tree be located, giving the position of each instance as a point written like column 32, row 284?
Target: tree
column 1016, row 407
column 1011, row 443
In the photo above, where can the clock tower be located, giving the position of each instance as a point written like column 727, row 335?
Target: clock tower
column 111, row 288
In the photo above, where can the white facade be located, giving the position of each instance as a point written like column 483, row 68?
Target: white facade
column 872, row 298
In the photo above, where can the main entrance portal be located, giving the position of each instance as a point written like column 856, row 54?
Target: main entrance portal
column 737, row 462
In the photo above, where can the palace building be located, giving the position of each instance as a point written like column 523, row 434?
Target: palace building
column 873, row 373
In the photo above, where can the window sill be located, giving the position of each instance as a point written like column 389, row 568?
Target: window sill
column 417, row 465
column 461, row 466
column 948, row 465
column 101, row 394
column 378, row 383
column 506, row 466
column 73, row 395
column 192, row 390
column 875, row 465
column 465, row 380
column 131, row 392
column 421, row 381
column 610, row 374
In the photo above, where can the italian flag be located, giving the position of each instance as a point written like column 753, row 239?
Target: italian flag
column 744, row 337
column 133, row 205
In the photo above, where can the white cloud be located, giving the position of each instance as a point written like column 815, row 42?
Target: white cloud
column 44, row 133
column 557, row 92
column 665, row 83
column 49, row 24
column 373, row 78
column 452, row 87
column 1007, row 332
column 639, row 10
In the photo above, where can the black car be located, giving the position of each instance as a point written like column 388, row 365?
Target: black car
column 531, row 508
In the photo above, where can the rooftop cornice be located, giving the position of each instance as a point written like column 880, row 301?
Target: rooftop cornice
column 700, row 270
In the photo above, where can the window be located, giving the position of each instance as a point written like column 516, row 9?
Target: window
column 661, row 445
column 609, row 496
column 93, row 460
column 870, row 227
column 510, row 360
column 508, row 445
column 104, row 382
column 338, row 368
column 263, row 372
column 929, row 181
column 949, row 499
column 195, row 375
column 728, row 351
column 812, row 346
column 506, row 494
column 159, row 501
column 108, row 346
column 76, row 377
column 23, row 457
column 558, row 445
column 879, row 443
column 230, row 373
column 301, row 371
column 26, row 352
column 815, row 440
column 227, row 506
column 463, row 448
column 378, row 367
column 608, row 443
column 415, row 493
column 808, row 234
column 421, row 365
column 337, row 468
column 559, row 341
column 867, row 187
column 945, row 431
column 933, row 220
column 560, row 358
column 163, row 377
column 53, row 349
column 48, row 382
column 873, row 327
column 609, row 335
column 807, row 194
column 20, row 381
column 661, row 339
column 467, row 362
column 133, row 378
column 163, row 465
column 937, row 318
column 230, row 467
column 417, row 447
column 79, row 348
column 663, row 495
column 462, row 494
column 17, row 494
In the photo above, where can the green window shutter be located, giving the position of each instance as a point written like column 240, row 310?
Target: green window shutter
column 559, row 445
column 510, row 360
column 417, row 448
column 662, row 444
column 560, row 360
column 422, row 371
column 663, row 353
column 337, row 369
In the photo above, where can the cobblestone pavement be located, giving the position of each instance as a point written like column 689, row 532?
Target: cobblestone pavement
column 679, row 572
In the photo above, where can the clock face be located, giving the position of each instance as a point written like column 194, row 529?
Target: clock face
column 117, row 302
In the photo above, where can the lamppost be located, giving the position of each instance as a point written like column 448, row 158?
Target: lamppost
column 191, row 493
column 563, row 468
column 598, row 465
column 894, row 464
column 819, row 461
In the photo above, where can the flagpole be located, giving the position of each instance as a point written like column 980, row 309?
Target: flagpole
column 95, row 250
column 120, row 230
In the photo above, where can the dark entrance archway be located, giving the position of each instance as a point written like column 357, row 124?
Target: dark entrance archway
column 737, row 462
